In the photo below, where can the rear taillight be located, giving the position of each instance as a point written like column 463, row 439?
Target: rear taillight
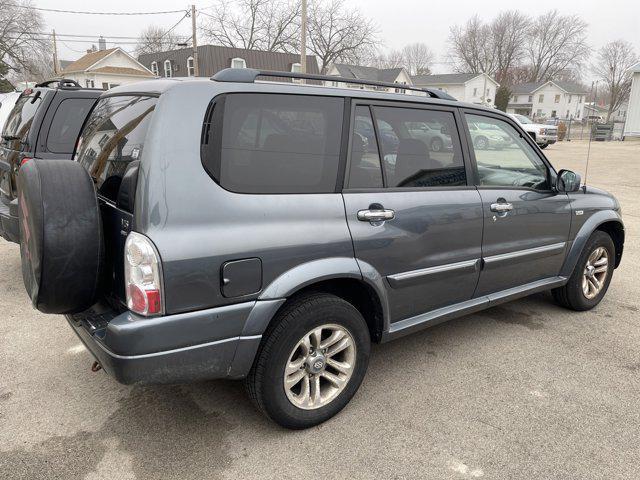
column 143, row 275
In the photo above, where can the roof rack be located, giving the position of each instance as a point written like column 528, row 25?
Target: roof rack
column 62, row 83
column 249, row 75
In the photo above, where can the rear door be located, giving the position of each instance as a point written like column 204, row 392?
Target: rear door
column 527, row 222
column 411, row 211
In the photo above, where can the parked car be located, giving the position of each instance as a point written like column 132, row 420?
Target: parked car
column 544, row 135
column 432, row 135
column 484, row 136
column 44, row 123
column 193, row 239
column 7, row 102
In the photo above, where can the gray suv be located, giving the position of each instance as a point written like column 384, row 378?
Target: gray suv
column 229, row 228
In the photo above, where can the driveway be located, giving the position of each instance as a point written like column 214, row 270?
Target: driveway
column 526, row 390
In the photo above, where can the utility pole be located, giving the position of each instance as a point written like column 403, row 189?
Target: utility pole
column 194, row 41
column 303, row 38
column 55, row 55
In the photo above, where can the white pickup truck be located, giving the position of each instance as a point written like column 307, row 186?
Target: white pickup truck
column 544, row 135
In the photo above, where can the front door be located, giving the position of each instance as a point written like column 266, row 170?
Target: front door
column 412, row 215
column 527, row 223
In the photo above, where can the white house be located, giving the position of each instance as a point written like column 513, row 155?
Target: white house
column 387, row 75
column 632, row 125
column 466, row 87
column 550, row 99
column 106, row 68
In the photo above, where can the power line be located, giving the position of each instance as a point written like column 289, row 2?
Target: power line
column 77, row 12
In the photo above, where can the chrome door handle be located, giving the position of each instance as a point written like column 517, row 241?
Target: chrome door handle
column 374, row 216
column 501, row 207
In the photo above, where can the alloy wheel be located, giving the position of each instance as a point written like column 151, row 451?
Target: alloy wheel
column 595, row 273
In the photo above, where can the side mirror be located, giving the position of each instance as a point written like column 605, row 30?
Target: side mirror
column 568, row 181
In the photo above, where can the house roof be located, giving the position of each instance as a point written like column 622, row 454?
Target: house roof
column 361, row 72
column 213, row 58
column 446, row 78
column 87, row 60
column 530, row 87
column 123, row 71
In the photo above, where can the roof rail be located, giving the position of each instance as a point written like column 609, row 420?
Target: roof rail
column 62, row 82
column 249, row 75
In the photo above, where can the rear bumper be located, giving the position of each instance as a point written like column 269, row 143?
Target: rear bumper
column 208, row 344
column 9, row 221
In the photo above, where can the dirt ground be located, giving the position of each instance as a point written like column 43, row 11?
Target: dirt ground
column 525, row 390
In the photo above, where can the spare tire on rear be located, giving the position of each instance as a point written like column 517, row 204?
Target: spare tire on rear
column 60, row 235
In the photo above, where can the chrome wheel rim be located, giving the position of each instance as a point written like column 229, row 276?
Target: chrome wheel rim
column 319, row 366
column 595, row 273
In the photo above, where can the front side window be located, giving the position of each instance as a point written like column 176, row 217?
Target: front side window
column 420, row 148
column 277, row 143
column 113, row 137
column 503, row 156
column 168, row 71
column 66, row 124
column 365, row 170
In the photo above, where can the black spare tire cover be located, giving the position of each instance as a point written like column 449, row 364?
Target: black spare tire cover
column 60, row 235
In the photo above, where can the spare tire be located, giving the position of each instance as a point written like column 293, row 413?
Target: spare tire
column 61, row 244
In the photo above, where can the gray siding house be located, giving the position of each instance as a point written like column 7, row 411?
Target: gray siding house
column 213, row 58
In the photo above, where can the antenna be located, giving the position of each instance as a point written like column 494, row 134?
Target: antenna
column 594, row 98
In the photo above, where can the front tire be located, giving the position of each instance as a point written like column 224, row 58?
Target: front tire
column 311, row 362
column 591, row 276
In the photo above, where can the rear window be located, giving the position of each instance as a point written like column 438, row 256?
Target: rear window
column 66, row 124
column 114, row 137
column 270, row 143
column 20, row 119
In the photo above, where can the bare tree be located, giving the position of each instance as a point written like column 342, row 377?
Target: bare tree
column 271, row 25
column 20, row 35
column 338, row 34
column 471, row 47
column 154, row 39
column 377, row 59
column 418, row 58
column 556, row 43
column 508, row 39
column 612, row 67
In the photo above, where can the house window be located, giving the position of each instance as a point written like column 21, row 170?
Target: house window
column 539, row 113
column 296, row 67
column 515, row 98
column 530, row 98
column 400, row 90
column 154, row 68
column 334, row 84
column 580, row 99
column 567, row 115
column 90, row 83
column 553, row 114
column 191, row 69
column 556, row 99
column 238, row 63
column 570, row 98
column 475, row 92
column 105, row 86
column 541, row 99
column 488, row 92
column 168, row 72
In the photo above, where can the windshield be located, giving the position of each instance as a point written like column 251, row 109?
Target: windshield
column 21, row 117
column 522, row 119
column 113, row 137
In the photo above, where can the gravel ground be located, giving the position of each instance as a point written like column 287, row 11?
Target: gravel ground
column 524, row 390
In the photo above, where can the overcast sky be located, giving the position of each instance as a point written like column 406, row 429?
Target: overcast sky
column 400, row 22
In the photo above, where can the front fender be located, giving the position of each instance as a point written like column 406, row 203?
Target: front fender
column 586, row 230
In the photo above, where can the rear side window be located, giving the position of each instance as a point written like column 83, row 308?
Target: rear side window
column 273, row 143
column 66, row 124
column 20, row 119
column 113, row 137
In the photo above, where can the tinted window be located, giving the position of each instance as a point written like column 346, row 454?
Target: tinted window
column 420, row 148
column 504, row 158
column 280, row 143
column 66, row 124
column 113, row 137
column 364, row 170
column 20, row 119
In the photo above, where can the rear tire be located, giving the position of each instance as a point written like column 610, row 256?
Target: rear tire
column 436, row 145
column 275, row 362
column 580, row 292
column 60, row 235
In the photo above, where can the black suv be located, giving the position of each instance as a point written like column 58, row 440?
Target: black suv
column 44, row 123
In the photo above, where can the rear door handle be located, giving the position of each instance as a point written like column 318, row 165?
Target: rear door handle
column 501, row 207
column 374, row 216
